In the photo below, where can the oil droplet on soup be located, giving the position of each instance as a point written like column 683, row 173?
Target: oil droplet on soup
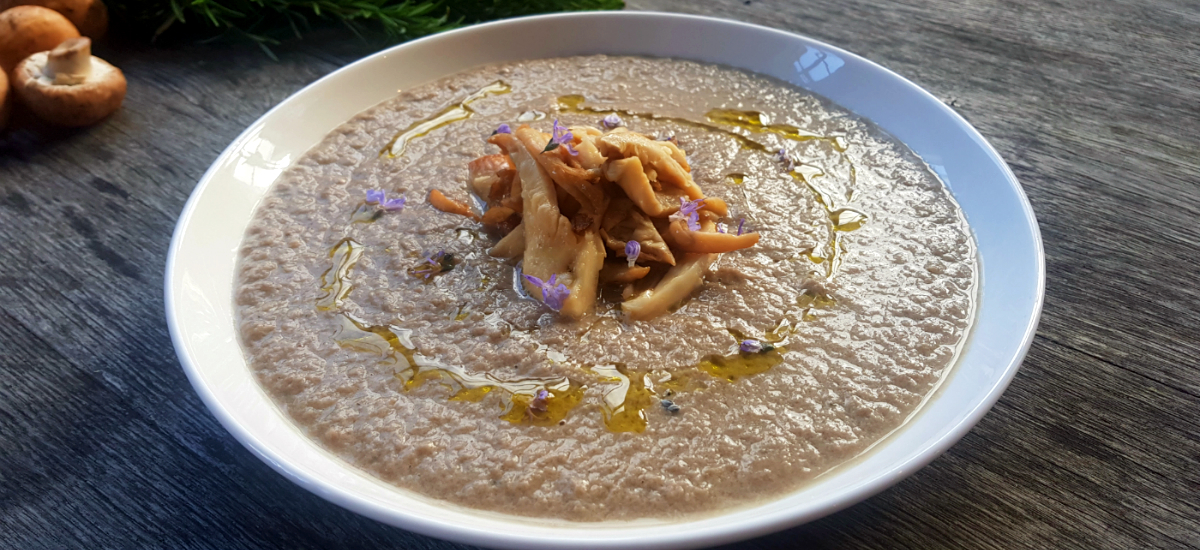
column 449, row 115
column 395, row 347
column 335, row 284
column 624, row 406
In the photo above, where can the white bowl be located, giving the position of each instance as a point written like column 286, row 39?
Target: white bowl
column 200, row 265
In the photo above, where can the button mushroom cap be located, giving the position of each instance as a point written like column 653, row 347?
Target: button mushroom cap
column 68, row 86
column 25, row 30
column 89, row 16
column 3, row 100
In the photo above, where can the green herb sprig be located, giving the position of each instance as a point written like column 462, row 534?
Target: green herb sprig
column 266, row 22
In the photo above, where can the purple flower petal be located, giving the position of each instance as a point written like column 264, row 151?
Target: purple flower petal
column 785, row 159
column 533, row 280
column 751, row 346
column 687, row 213
column 379, row 197
column 741, row 226
column 560, row 135
column 503, row 129
column 394, row 204
column 721, row 228
column 553, row 295
column 633, row 249
column 611, row 121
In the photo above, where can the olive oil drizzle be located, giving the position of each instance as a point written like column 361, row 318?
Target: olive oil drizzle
column 756, row 122
column 742, row 364
column 335, row 284
column 624, row 407
column 840, row 220
column 447, row 116
column 394, row 345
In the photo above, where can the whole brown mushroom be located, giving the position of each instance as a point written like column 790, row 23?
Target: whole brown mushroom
column 67, row 86
column 4, row 103
column 90, row 17
column 25, row 30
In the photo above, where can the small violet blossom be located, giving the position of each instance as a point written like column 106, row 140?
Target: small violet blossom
column 751, row 346
column 687, row 212
column 633, row 249
column 503, row 129
column 611, row 121
column 560, row 135
column 552, row 294
column 435, row 264
column 538, row 405
column 378, row 197
column 785, row 159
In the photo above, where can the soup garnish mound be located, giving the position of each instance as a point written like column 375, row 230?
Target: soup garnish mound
column 567, row 200
column 604, row 288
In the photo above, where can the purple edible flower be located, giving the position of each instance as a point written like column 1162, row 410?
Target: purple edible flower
column 611, row 121
column 632, row 250
column 751, row 346
column 552, row 294
column 503, row 129
column 376, row 196
column 436, row 264
column 538, row 404
column 721, row 228
column 560, row 135
column 785, row 159
column 687, row 212
column 741, row 226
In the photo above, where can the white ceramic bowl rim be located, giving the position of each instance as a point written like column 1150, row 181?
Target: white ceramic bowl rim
column 198, row 281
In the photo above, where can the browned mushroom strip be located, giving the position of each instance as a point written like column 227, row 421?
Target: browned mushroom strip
column 658, row 156
column 628, row 174
column 716, row 206
column 446, row 204
column 512, row 245
column 491, row 176
column 497, row 215
column 550, row 244
column 702, row 241
column 621, row 273
column 589, row 156
column 624, row 223
column 586, row 270
column 575, row 180
column 677, row 284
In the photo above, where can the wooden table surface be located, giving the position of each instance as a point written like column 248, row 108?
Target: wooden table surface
column 1096, row 444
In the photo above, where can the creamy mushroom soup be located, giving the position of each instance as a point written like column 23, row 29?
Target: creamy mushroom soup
column 833, row 288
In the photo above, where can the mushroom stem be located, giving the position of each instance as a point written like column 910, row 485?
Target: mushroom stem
column 70, row 63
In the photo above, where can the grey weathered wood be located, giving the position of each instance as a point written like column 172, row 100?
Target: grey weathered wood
column 1096, row 105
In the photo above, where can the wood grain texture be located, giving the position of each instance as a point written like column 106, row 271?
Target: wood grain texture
column 1095, row 105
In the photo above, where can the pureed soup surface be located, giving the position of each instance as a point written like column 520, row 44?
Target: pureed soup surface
column 863, row 282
